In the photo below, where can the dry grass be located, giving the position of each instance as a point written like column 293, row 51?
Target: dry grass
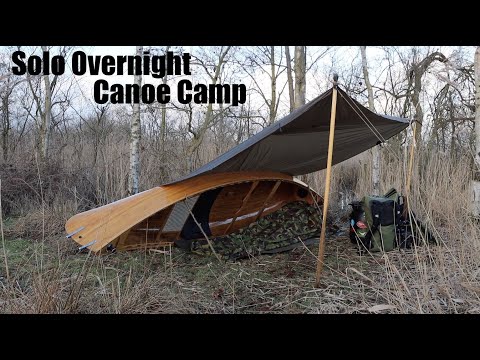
column 398, row 282
column 47, row 275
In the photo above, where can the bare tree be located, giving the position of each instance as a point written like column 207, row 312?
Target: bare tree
column 6, row 89
column 476, row 179
column 47, row 114
column 300, row 75
column 45, row 97
column 96, row 128
column 256, row 61
column 6, row 122
column 273, row 82
column 44, row 106
column 417, row 70
column 164, row 110
column 376, row 149
column 477, row 108
column 135, row 138
column 291, row 93
column 210, row 116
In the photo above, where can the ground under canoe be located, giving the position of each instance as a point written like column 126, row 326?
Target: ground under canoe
column 221, row 203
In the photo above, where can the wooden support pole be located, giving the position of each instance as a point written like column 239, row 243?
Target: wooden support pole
column 410, row 167
column 321, row 245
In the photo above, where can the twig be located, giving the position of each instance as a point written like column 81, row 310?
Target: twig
column 205, row 235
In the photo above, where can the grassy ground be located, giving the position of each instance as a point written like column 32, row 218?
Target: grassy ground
column 51, row 277
column 41, row 272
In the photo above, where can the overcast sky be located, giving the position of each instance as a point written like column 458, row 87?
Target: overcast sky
column 317, row 77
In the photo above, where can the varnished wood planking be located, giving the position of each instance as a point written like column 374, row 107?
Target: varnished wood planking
column 244, row 202
column 227, row 207
column 106, row 223
column 218, row 230
column 269, row 198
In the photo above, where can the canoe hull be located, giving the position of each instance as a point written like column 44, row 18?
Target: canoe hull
column 211, row 204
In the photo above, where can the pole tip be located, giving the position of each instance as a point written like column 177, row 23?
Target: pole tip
column 335, row 77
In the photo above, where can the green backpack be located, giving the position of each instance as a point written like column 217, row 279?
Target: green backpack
column 382, row 214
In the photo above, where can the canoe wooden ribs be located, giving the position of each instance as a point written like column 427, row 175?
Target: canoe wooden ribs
column 221, row 203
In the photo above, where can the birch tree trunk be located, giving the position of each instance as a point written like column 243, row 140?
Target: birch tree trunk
column 47, row 116
column 476, row 176
column 300, row 76
column 273, row 113
column 291, row 93
column 376, row 149
column 135, row 139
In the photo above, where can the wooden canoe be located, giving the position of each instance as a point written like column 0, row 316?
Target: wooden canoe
column 221, row 203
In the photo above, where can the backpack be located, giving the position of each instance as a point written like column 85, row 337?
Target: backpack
column 382, row 226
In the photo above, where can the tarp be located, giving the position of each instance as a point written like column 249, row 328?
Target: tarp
column 298, row 143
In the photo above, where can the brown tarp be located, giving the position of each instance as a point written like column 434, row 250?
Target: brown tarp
column 298, row 143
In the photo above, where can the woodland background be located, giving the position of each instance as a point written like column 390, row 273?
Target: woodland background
column 60, row 154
